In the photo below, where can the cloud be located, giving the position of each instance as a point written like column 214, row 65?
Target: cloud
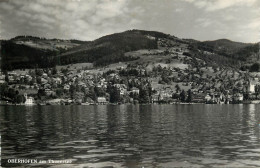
column 253, row 24
column 5, row 6
column 228, row 17
column 203, row 22
column 214, row 5
column 91, row 19
column 179, row 10
column 77, row 19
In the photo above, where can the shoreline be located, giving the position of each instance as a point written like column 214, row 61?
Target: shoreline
column 114, row 104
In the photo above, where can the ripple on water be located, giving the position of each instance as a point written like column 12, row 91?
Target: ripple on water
column 250, row 162
column 178, row 164
column 249, row 154
column 100, row 150
column 233, row 147
column 156, row 136
column 102, row 155
column 92, row 165
column 249, row 150
column 44, row 152
column 70, row 146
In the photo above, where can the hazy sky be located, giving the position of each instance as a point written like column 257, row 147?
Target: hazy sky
column 238, row 20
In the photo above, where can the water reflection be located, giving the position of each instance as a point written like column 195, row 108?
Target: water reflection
column 133, row 135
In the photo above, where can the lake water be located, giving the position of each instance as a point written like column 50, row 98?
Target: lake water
column 132, row 135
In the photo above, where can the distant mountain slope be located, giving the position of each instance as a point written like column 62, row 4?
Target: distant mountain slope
column 111, row 48
column 249, row 53
column 30, row 52
column 223, row 46
column 226, row 45
column 244, row 52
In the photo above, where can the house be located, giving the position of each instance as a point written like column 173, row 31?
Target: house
column 121, row 88
column 207, row 98
column 46, row 86
column 28, row 100
column 2, row 79
column 219, row 98
column 166, row 93
column 66, row 87
column 49, row 92
column 44, row 75
column 198, row 98
column 82, row 84
column 238, row 97
column 251, row 86
column 135, row 90
column 44, row 81
column 101, row 100
column 57, row 80
column 11, row 78
column 155, row 98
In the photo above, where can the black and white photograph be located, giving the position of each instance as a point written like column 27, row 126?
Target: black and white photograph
column 130, row 83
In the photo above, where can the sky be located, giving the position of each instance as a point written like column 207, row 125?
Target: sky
column 237, row 20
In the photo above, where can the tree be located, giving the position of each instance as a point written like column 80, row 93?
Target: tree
column 83, row 90
column 255, row 67
column 38, row 72
column 41, row 92
column 20, row 99
column 114, row 95
column 144, row 95
column 59, row 92
column 246, row 96
column 3, row 89
column 72, row 91
column 54, row 71
column 64, row 71
column 189, row 98
column 11, row 93
column 38, row 79
column 175, row 96
column 6, row 76
column 91, row 94
column 183, row 96
column 177, row 87
column 99, row 91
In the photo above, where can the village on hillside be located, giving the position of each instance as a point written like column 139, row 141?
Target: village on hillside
column 169, row 74
column 129, row 84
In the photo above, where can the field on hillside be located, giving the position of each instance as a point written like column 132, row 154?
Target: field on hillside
column 48, row 44
column 151, row 58
column 77, row 66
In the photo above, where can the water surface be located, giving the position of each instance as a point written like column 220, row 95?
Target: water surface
column 133, row 135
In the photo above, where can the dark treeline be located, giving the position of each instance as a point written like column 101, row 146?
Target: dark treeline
column 212, row 59
column 248, row 51
column 232, row 50
column 110, row 49
column 103, row 51
column 15, row 56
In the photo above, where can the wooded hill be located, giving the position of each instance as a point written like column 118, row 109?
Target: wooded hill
column 31, row 52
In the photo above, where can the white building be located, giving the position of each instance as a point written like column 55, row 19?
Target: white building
column 101, row 100
column 28, row 100
column 251, row 86
column 207, row 98
column 135, row 90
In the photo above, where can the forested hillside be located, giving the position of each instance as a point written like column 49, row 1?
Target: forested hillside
column 30, row 52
